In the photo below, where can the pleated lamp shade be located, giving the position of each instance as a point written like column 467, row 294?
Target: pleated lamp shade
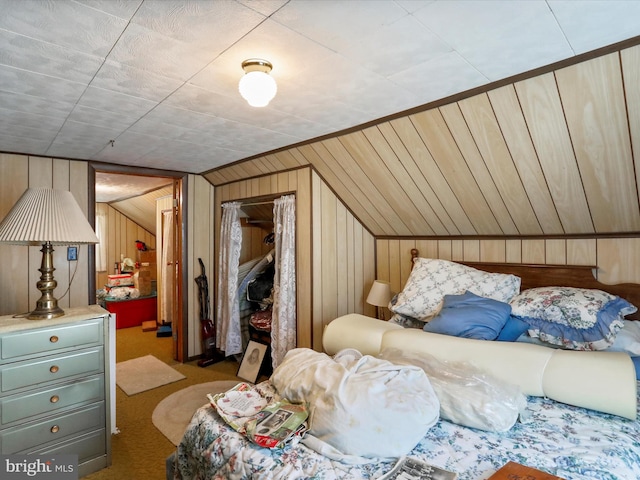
column 45, row 215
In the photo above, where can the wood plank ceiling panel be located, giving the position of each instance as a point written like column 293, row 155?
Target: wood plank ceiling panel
column 594, row 105
column 401, row 180
column 631, row 68
column 389, row 190
column 246, row 169
column 289, row 160
column 514, row 129
column 138, row 208
column 364, row 183
column 437, row 137
column 424, row 197
column 459, row 127
column 217, row 177
column 543, row 112
column 499, row 165
column 432, row 175
column 332, row 173
column 262, row 165
column 272, row 163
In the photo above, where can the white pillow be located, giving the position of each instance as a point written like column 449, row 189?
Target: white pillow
column 628, row 339
column 432, row 279
column 468, row 396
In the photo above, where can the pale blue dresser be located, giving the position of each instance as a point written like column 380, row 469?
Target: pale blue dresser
column 55, row 386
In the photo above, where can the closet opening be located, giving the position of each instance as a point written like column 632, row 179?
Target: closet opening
column 257, row 280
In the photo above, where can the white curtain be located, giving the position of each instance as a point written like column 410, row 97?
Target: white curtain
column 168, row 268
column 283, row 322
column 228, row 332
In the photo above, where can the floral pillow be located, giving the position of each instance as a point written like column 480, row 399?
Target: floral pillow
column 432, row 279
column 573, row 318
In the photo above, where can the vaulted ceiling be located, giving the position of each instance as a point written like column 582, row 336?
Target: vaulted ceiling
column 160, row 77
column 555, row 154
column 443, row 117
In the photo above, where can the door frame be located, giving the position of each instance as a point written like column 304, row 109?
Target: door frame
column 180, row 325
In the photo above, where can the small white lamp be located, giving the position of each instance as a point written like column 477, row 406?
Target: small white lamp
column 379, row 296
column 47, row 217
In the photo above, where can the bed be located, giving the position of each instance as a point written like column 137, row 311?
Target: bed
column 565, row 440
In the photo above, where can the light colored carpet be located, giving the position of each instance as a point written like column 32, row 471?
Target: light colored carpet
column 144, row 373
column 173, row 414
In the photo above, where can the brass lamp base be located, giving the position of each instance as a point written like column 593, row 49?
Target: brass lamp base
column 47, row 306
column 45, row 313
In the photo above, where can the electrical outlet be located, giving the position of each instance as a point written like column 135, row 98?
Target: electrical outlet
column 72, row 254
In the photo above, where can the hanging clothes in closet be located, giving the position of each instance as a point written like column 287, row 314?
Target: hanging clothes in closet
column 247, row 274
column 232, row 332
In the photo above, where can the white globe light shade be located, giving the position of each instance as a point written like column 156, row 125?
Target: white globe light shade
column 257, row 88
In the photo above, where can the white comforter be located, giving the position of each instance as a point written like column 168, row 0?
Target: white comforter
column 359, row 406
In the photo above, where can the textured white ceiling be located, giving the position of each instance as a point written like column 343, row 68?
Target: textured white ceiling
column 159, row 77
column 112, row 187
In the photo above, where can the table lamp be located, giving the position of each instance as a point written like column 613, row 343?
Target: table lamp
column 379, row 296
column 47, row 217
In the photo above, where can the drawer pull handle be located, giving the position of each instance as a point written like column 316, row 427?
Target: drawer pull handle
column 54, row 369
column 53, row 339
column 55, row 429
column 54, row 399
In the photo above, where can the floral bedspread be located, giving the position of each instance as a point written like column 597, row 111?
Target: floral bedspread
column 571, row 442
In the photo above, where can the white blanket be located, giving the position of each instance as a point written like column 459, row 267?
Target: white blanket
column 361, row 406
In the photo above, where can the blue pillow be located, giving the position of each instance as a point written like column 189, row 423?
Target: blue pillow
column 512, row 330
column 470, row 316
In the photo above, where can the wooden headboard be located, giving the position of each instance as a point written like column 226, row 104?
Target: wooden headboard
column 533, row 275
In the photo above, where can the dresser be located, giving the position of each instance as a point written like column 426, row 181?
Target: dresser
column 54, row 386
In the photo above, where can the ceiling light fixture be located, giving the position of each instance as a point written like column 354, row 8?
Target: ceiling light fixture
column 256, row 86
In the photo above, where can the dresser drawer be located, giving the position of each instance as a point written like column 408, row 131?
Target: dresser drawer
column 44, row 340
column 58, row 428
column 44, row 402
column 87, row 446
column 54, row 368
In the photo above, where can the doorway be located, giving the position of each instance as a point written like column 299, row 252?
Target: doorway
column 131, row 206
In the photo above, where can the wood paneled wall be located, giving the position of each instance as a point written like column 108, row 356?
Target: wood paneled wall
column 617, row 259
column 120, row 236
column 199, row 244
column 253, row 241
column 343, row 259
column 19, row 264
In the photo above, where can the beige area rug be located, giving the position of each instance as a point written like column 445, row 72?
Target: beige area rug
column 173, row 414
column 144, row 373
